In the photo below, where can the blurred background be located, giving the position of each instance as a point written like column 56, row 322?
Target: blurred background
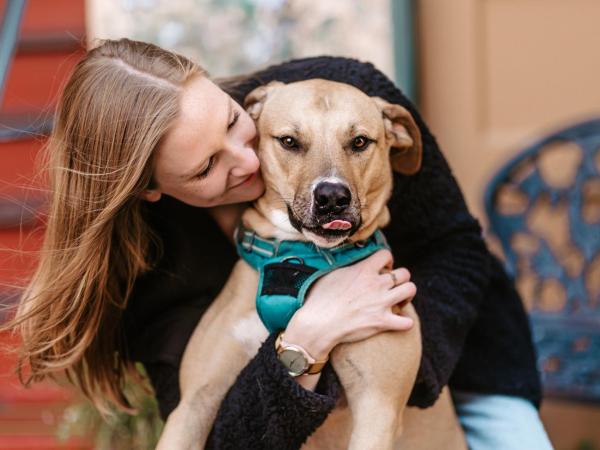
column 495, row 81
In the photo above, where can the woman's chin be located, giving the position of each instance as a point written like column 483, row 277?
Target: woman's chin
column 249, row 190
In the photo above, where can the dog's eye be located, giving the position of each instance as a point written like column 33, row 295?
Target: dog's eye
column 360, row 143
column 288, row 142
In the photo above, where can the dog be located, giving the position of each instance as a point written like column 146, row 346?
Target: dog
column 334, row 135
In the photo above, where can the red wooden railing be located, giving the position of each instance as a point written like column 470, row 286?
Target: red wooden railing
column 50, row 43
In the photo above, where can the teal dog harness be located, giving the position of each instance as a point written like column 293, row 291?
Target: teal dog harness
column 287, row 270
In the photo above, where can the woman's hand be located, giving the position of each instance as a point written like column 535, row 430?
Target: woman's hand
column 351, row 304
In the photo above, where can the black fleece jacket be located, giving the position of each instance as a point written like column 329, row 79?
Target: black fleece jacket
column 475, row 331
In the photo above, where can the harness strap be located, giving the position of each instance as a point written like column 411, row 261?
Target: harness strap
column 287, row 269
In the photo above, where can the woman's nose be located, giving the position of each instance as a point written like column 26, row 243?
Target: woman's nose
column 245, row 161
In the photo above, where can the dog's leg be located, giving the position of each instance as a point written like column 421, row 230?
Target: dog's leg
column 378, row 375
column 214, row 356
column 434, row 427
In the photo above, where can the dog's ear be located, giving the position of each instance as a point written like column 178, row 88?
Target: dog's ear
column 254, row 101
column 404, row 137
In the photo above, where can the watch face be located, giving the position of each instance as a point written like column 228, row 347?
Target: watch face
column 294, row 361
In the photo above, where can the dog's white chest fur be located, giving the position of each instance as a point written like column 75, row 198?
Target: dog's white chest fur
column 250, row 332
column 283, row 227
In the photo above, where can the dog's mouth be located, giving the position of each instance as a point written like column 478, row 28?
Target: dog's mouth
column 334, row 229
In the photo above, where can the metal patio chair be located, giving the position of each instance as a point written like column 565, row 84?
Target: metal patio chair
column 550, row 235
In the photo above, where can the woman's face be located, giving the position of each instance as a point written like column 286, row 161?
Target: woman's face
column 207, row 158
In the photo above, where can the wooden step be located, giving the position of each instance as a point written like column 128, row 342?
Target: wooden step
column 51, row 25
column 52, row 31
column 18, row 256
column 21, row 185
column 19, row 164
column 42, row 443
column 57, row 25
column 29, row 412
column 17, row 418
column 64, row 16
column 9, row 296
column 35, row 79
column 12, row 392
column 25, row 125
column 20, row 213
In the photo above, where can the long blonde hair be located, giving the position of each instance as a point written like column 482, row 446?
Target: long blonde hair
column 117, row 105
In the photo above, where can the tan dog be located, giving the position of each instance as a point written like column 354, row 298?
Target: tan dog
column 334, row 143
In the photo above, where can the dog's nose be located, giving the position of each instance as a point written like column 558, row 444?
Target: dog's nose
column 331, row 198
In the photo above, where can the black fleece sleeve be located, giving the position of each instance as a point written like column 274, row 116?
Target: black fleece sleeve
column 264, row 409
column 431, row 231
column 434, row 235
column 267, row 409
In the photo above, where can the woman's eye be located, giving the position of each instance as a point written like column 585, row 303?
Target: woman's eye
column 236, row 116
column 205, row 172
column 288, row 142
column 360, row 143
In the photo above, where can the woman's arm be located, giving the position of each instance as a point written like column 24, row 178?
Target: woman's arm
column 251, row 414
column 268, row 409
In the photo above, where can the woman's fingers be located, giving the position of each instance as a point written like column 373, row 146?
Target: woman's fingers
column 402, row 293
column 393, row 278
column 398, row 323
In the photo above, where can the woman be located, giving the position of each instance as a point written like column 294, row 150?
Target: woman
column 132, row 256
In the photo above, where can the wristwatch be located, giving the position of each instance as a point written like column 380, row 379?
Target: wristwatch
column 295, row 359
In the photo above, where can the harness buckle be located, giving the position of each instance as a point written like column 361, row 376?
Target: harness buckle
column 251, row 244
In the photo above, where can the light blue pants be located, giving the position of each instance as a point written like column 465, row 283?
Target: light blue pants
column 500, row 422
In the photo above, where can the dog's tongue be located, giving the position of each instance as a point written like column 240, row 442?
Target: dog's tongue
column 338, row 225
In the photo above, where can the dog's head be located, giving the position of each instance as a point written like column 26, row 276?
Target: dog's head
column 327, row 152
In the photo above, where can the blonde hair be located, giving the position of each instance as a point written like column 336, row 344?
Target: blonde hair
column 117, row 105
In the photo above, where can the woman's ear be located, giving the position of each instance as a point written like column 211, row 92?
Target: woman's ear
column 151, row 195
column 254, row 101
column 404, row 137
